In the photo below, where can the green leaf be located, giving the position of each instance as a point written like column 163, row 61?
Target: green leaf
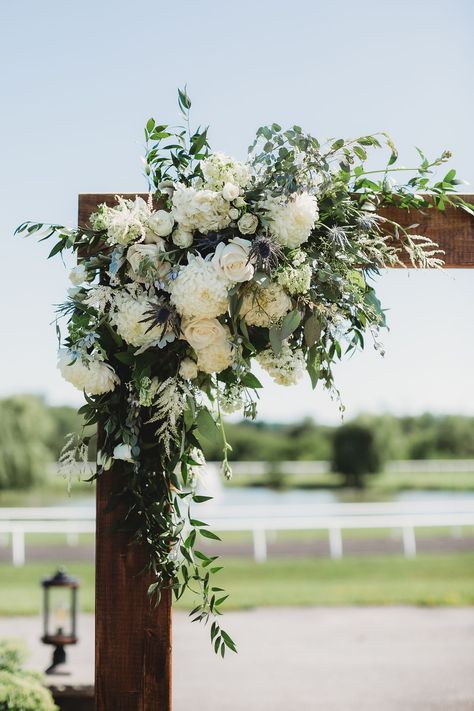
column 209, row 534
column 290, row 323
column 312, row 330
column 207, row 425
column 275, row 340
column 251, row 381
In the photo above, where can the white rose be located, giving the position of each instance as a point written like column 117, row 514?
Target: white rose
column 203, row 332
column 230, row 192
column 124, row 452
column 145, row 262
column 78, row 275
column 161, row 223
column 188, row 369
column 232, row 260
column 182, row 238
column 248, row 223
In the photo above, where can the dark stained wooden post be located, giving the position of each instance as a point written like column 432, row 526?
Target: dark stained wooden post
column 133, row 640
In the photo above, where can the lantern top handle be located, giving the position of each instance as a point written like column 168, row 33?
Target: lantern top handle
column 60, row 579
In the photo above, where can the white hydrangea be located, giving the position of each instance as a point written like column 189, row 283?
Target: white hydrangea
column 87, row 373
column 219, row 169
column 202, row 210
column 296, row 280
column 287, row 368
column 264, row 306
column 128, row 314
column 199, row 289
column 291, row 222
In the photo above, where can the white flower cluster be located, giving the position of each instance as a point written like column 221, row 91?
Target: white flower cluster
column 296, row 280
column 231, row 399
column 87, row 373
column 291, row 222
column 202, row 210
column 131, row 221
column 220, row 169
column 128, row 315
column 287, row 368
column 265, row 306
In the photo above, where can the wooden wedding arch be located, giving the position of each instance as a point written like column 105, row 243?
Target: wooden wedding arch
column 133, row 639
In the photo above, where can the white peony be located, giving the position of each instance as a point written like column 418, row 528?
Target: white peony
column 265, row 306
column 123, row 452
column 203, row 332
column 145, row 261
column 188, row 369
column 160, row 223
column 78, row 275
column 92, row 375
column 182, row 238
column 232, row 260
column 291, row 222
column 230, row 192
column 248, row 223
column 215, row 358
column 287, row 368
column 128, row 314
column 202, row 210
column 199, row 290
column 219, row 169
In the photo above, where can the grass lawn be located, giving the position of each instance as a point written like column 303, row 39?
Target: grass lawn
column 427, row 580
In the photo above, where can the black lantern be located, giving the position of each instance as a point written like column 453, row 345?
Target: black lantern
column 59, row 615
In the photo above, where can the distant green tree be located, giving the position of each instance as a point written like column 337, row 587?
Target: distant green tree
column 25, row 426
column 357, row 452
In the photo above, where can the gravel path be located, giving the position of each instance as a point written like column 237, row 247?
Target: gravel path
column 313, row 659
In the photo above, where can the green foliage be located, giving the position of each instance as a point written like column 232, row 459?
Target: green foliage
column 24, row 454
column 20, row 690
column 357, row 452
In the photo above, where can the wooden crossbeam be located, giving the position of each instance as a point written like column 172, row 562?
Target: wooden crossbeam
column 133, row 640
column 452, row 230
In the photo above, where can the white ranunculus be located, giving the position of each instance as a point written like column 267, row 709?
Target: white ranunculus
column 92, row 375
column 161, row 223
column 248, row 223
column 230, row 192
column 291, row 222
column 199, row 289
column 203, row 210
column 203, row 332
column 232, row 260
column 234, row 213
column 123, row 452
column 188, row 369
column 145, row 261
column 215, row 358
column 182, row 238
column 78, row 275
column 265, row 306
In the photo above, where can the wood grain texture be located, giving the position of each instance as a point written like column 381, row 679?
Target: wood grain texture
column 133, row 638
column 452, row 230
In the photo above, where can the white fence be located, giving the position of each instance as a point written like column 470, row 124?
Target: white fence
column 422, row 466
column 259, row 520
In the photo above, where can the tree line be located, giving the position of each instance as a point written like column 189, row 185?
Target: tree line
column 32, row 434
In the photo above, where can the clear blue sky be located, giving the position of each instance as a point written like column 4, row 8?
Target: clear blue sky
column 80, row 79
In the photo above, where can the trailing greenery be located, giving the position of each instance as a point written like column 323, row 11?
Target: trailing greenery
column 226, row 263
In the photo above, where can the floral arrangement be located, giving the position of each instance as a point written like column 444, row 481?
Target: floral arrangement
column 226, row 263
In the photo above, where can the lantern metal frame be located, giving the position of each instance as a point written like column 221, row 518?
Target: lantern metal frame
column 60, row 639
